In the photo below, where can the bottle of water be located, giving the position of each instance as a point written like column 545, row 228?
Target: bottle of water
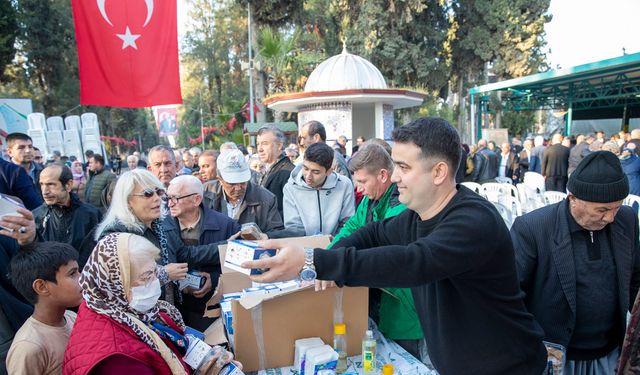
column 340, row 346
column 368, row 354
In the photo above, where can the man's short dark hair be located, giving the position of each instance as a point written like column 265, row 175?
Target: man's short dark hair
column 320, row 154
column 13, row 137
column 214, row 154
column 315, row 127
column 65, row 172
column 436, row 139
column 88, row 153
column 41, row 260
column 98, row 158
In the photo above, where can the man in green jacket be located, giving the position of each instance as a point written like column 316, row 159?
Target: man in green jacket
column 372, row 168
column 99, row 178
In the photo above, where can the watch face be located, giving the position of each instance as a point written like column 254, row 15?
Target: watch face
column 308, row 274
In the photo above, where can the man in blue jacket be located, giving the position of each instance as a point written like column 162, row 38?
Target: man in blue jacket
column 16, row 182
column 198, row 226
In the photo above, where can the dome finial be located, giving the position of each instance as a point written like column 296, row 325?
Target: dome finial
column 344, row 45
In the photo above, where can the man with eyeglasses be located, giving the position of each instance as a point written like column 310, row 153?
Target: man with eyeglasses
column 239, row 198
column 20, row 149
column 198, row 226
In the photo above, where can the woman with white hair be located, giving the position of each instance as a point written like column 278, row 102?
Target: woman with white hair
column 121, row 326
column 138, row 206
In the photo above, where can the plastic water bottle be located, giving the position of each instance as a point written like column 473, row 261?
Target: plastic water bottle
column 368, row 354
column 340, row 346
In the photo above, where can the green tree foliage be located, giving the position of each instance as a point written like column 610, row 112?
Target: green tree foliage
column 47, row 43
column 405, row 40
column 274, row 13
column 213, row 80
column 8, row 34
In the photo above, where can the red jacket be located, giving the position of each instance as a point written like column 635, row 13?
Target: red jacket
column 96, row 337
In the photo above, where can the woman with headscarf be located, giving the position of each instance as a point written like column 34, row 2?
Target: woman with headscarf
column 79, row 179
column 121, row 326
column 138, row 206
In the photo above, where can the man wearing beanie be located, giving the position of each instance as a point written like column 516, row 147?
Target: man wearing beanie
column 579, row 266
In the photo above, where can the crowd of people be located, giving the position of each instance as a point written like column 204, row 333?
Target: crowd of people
column 555, row 158
column 91, row 267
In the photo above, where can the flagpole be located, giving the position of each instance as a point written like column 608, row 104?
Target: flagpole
column 251, row 114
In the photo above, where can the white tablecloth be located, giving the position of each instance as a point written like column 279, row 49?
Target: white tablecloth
column 387, row 351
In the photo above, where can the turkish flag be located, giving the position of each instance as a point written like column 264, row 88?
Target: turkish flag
column 127, row 52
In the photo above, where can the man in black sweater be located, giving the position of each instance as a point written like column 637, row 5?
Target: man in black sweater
column 451, row 247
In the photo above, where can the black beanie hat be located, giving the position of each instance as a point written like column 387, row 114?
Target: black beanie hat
column 599, row 178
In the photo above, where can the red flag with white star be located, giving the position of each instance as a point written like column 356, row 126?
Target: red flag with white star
column 127, row 52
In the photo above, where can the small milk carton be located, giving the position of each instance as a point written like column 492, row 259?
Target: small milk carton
column 301, row 348
column 240, row 251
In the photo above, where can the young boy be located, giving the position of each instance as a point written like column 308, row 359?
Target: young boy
column 46, row 274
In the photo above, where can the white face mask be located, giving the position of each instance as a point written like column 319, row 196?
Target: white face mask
column 143, row 298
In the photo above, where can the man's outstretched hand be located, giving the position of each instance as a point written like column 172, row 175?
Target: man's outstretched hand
column 286, row 265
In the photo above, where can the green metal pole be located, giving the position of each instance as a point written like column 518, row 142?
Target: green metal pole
column 567, row 129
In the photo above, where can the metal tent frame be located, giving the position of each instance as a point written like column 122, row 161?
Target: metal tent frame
column 611, row 83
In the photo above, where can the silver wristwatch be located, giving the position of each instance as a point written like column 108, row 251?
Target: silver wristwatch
column 308, row 272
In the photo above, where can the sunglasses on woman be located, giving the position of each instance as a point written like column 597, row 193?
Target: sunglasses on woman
column 149, row 192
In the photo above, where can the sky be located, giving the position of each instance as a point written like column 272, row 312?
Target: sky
column 584, row 31
column 581, row 31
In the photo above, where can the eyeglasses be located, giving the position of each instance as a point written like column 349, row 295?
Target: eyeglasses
column 175, row 200
column 148, row 193
column 38, row 157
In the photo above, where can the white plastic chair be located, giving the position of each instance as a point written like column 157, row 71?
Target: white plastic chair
column 530, row 198
column 493, row 191
column 504, row 180
column 632, row 201
column 476, row 187
column 505, row 212
column 534, row 180
column 551, row 197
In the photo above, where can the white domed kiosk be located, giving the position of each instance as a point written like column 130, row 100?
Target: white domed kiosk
column 349, row 95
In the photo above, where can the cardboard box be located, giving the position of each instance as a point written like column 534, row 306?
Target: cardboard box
column 290, row 315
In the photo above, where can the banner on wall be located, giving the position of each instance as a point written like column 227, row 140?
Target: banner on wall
column 166, row 120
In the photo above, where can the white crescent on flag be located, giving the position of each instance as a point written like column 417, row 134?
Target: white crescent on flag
column 103, row 11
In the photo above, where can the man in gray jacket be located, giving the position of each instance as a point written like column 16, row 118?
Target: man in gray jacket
column 316, row 199
column 239, row 198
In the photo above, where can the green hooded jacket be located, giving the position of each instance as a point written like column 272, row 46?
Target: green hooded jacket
column 398, row 316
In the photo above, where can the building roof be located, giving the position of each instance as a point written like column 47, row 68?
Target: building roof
column 608, row 83
column 345, row 72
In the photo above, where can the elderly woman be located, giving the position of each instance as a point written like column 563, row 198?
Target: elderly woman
column 138, row 206
column 121, row 326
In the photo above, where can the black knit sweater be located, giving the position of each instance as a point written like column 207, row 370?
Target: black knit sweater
column 461, row 268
